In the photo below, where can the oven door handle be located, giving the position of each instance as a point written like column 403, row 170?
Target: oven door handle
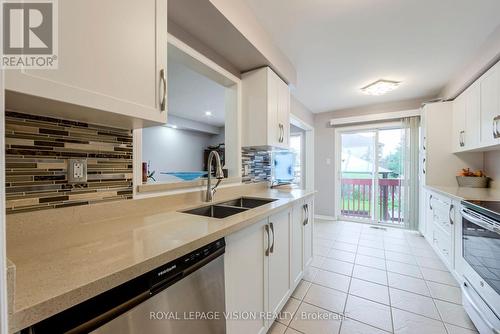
column 484, row 224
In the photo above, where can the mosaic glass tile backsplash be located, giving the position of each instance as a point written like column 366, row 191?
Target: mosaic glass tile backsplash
column 37, row 152
column 259, row 165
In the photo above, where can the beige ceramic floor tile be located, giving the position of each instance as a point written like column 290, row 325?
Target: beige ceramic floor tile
column 371, row 252
column 350, row 326
column 349, row 247
column 404, row 269
column 410, row 323
column 408, row 283
column 414, row 303
column 301, row 289
column 452, row 329
column 445, row 292
column 454, row 314
column 329, row 299
column 340, row 267
column 370, row 261
column 400, row 257
column 277, row 328
column 288, row 311
column 341, row 255
column 368, row 290
column 369, row 312
column 332, row 280
column 370, row 274
column 310, row 319
column 438, row 276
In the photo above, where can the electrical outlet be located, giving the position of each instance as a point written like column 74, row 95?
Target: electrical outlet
column 246, row 170
column 77, row 171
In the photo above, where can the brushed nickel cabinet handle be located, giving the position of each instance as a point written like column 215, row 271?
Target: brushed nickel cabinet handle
column 496, row 132
column 449, row 213
column 268, row 239
column 430, row 200
column 272, row 245
column 307, row 214
column 163, row 82
column 304, row 222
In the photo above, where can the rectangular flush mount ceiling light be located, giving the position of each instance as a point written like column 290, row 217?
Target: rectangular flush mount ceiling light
column 380, row 87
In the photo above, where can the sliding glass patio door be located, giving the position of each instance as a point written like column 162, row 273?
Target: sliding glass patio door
column 371, row 174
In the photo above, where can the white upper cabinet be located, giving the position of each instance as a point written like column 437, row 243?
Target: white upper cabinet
column 490, row 106
column 466, row 119
column 112, row 66
column 476, row 114
column 266, row 109
column 458, row 133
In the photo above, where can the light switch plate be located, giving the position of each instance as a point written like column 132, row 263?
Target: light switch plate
column 77, row 171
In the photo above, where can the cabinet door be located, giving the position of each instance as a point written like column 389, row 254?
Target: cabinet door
column 458, row 128
column 110, row 57
column 297, row 245
column 284, row 113
column 490, row 104
column 279, row 261
column 273, row 127
column 246, row 277
column 308, row 233
column 473, row 116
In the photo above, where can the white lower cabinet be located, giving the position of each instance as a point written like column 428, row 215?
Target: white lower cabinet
column 263, row 264
column 279, row 261
column 245, row 265
column 440, row 216
column 296, row 257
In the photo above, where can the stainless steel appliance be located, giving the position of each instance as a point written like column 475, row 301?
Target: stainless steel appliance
column 481, row 253
column 183, row 296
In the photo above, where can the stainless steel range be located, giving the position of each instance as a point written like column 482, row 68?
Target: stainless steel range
column 481, row 252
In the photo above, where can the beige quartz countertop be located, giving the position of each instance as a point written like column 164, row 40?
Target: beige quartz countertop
column 69, row 255
column 462, row 193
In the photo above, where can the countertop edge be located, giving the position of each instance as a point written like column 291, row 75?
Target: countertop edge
column 20, row 319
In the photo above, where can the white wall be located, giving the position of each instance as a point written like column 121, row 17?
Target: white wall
column 492, row 167
column 325, row 149
column 300, row 111
column 173, row 150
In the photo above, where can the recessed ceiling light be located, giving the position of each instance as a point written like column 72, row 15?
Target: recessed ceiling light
column 208, row 113
column 380, row 87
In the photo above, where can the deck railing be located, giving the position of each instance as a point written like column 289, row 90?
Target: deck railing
column 356, row 199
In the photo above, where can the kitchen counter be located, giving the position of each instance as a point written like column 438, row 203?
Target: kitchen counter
column 65, row 256
column 462, row 193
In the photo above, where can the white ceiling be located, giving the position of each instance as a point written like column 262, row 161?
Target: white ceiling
column 190, row 94
column 339, row 46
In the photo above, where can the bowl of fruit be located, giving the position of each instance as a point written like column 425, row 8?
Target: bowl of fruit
column 470, row 179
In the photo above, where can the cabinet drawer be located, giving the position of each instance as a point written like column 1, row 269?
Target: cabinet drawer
column 442, row 243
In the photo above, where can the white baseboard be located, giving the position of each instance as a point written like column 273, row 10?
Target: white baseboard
column 323, row 217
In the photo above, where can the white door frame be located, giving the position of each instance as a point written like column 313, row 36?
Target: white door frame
column 337, row 166
column 309, row 150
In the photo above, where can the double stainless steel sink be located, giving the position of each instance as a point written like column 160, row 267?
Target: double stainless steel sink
column 229, row 208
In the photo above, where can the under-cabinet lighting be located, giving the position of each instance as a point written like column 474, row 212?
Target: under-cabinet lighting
column 380, row 87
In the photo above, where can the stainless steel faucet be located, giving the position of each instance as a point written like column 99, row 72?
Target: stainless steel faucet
column 219, row 174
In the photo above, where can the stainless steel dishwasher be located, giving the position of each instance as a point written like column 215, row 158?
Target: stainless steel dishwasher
column 183, row 296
